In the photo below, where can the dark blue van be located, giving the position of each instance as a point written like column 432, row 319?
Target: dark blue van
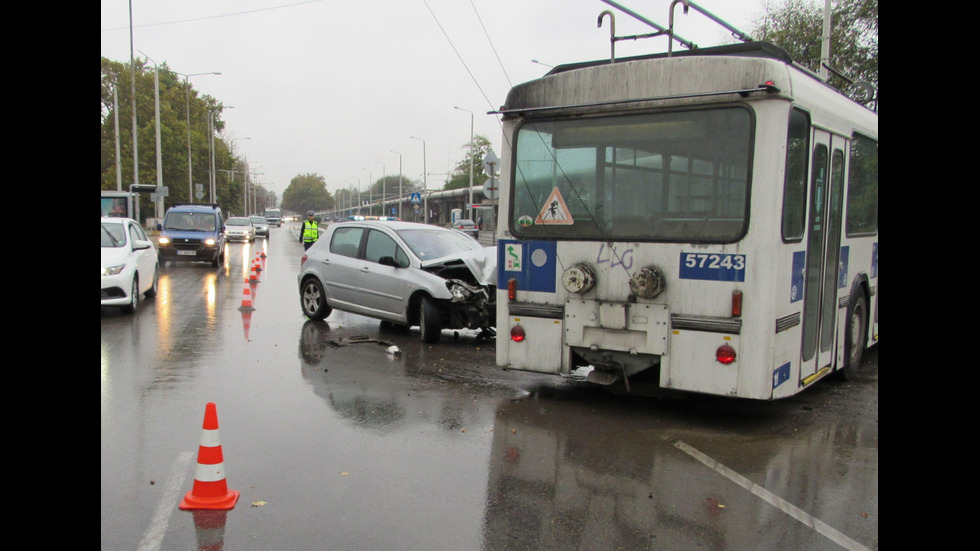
column 192, row 233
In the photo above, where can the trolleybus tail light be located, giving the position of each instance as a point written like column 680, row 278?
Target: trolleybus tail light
column 736, row 304
column 517, row 333
column 512, row 289
column 725, row 354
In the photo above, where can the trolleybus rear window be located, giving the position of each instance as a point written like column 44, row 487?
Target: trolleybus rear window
column 677, row 176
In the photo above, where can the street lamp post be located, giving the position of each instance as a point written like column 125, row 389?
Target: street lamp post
column 384, row 177
column 231, row 144
column 471, row 158
column 211, row 179
column 370, row 206
column 399, row 182
column 255, row 191
column 158, row 212
column 425, row 184
column 187, row 95
column 211, row 150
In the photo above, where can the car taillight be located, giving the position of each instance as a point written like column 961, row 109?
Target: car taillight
column 302, row 260
column 725, row 354
column 512, row 289
column 517, row 333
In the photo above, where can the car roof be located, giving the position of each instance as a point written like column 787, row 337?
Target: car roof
column 396, row 225
column 194, row 208
column 117, row 219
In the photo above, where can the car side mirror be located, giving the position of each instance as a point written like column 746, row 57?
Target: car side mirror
column 159, row 226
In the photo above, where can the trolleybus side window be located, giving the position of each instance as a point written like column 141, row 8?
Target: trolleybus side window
column 794, row 187
column 862, row 187
column 673, row 176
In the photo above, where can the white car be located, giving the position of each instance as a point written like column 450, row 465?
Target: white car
column 129, row 264
column 261, row 224
column 467, row 226
column 239, row 229
column 401, row 272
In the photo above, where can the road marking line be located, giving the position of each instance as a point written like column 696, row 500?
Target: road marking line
column 167, row 503
column 821, row 527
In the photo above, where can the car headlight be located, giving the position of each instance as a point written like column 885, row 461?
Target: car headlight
column 164, row 241
column 112, row 270
column 209, row 242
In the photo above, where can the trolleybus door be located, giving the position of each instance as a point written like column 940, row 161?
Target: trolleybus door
column 822, row 254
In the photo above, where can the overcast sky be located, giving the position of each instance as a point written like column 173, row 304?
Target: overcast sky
column 341, row 88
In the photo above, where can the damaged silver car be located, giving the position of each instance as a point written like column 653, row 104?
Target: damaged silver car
column 401, row 272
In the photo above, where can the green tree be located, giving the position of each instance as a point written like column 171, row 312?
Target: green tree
column 460, row 176
column 176, row 99
column 388, row 187
column 797, row 27
column 307, row 192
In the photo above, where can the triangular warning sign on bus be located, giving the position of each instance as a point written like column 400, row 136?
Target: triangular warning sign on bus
column 555, row 210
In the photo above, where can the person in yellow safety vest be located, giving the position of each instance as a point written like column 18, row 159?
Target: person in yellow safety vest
column 310, row 232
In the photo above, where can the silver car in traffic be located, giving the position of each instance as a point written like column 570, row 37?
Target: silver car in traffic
column 401, row 272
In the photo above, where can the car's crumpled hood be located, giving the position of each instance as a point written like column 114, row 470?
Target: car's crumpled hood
column 482, row 263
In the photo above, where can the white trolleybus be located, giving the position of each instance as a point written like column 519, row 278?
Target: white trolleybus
column 705, row 221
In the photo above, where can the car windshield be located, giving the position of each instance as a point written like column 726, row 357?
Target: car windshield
column 466, row 223
column 238, row 222
column 113, row 235
column 433, row 243
column 190, row 221
column 258, row 220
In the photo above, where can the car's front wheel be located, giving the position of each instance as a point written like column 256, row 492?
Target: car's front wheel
column 313, row 300
column 134, row 297
column 152, row 291
column 430, row 325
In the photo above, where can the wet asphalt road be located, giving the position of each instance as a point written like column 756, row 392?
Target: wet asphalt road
column 335, row 444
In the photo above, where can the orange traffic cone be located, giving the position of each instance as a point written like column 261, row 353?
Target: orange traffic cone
column 210, row 488
column 246, row 300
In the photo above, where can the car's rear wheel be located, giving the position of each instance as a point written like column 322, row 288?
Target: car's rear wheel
column 430, row 325
column 134, row 297
column 313, row 300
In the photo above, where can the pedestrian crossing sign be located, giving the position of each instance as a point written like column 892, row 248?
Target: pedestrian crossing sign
column 555, row 211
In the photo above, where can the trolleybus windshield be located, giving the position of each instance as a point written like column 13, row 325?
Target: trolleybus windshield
column 673, row 176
